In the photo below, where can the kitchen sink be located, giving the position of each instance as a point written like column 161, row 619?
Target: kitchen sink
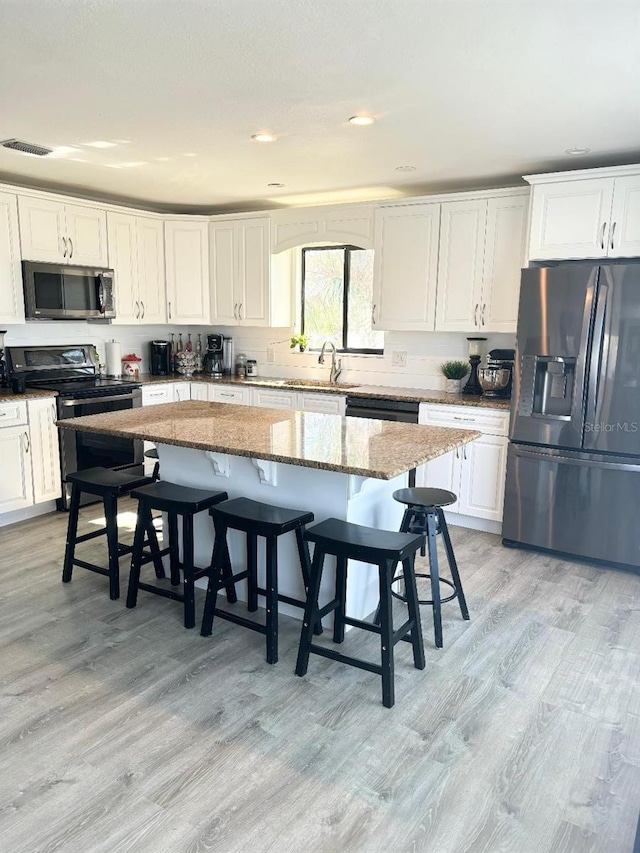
column 316, row 383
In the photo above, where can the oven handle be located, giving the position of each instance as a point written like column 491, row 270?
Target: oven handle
column 69, row 403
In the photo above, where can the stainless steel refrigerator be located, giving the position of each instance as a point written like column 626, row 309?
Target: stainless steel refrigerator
column 573, row 468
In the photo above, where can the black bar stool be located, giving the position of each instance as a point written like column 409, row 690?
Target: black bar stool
column 424, row 515
column 108, row 485
column 152, row 453
column 176, row 501
column 384, row 548
column 255, row 519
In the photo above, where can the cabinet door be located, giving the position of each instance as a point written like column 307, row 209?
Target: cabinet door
column 16, row 490
column 405, row 267
column 200, row 391
column 42, row 230
column 11, row 299
column 152, row 285
column 570, row 219
column 443, row 473
column 45, row 452
column 624, row 234
column 328, row 404
column 254, row 265
column 460, row 265
column 273, row 399
column 224, row 272
column 86, row 231
column 121, row 230
column 504, row 255
column 483, row 476
column 181, row 391
column 187, row 256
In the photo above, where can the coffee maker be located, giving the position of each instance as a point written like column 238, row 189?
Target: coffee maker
column 160, row 358
column 496, row 378
column 3, row 365
column 214, row 358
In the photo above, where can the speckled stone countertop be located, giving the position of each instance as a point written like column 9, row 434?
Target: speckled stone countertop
column 379, row 449
column 380, row 392
column 7, row 395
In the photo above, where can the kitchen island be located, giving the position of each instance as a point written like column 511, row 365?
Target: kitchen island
column 333, row 466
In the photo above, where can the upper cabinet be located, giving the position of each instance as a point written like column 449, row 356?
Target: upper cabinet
column 187, row 265
column 594, row 213
column 136, row 253
column 11, row 301
column 248, row 287
column 55, row 232
column 344, row 224
column 405, row 267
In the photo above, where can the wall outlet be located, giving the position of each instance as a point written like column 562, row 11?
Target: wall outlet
column 271, row 355
column 399, row 358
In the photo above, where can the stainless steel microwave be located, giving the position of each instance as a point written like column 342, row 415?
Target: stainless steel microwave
column 63, row 292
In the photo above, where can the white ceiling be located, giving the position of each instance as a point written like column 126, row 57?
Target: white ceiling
column 473, row 94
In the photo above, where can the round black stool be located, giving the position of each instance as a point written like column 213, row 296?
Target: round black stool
column 255, row 519
column 424, row 515
column 108, row 485
column 176, row 501
column 152, row 453
column 384, row 548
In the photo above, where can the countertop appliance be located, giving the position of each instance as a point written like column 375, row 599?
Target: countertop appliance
column 64, row 292
column 71, row 372
column 160, row 358
column 214, row 358
column 573, row 466
column 496, row 379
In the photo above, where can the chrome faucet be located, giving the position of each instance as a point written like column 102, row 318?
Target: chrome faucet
column 336, row 364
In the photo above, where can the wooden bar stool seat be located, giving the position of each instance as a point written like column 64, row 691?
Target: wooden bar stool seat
column 108, row 485
column 176, row 501
column 384, row 548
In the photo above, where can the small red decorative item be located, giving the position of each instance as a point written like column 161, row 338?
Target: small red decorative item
column 131, row 365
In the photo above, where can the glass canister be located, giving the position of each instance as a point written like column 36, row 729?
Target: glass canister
column 241, row 365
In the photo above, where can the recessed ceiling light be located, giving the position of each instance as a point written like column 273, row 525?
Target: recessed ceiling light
column 405, row 168
column 575, row 152
column 100, row 143
column 361, row 120
column 263, row 137
column 275, row 184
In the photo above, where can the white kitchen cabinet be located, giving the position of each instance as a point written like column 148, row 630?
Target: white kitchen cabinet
column 327, row 404
column 475, row 472
column 201, row 391
column 343, row 224
column 405, row 267
column 274, row 399
column 240, row 260
column 593, row 213
column 55, row 232
column 136, row 253
column 16, row 487
column 187, row 265
column 45, row 449
column 181, row 391
column 13, row 413
column 11, row 299
column 154, row 395
column 482, row 250
column 234, row 394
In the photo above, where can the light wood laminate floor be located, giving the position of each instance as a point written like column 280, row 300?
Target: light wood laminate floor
column 121, row 731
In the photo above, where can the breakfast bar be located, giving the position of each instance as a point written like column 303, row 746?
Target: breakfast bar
column 333, row 466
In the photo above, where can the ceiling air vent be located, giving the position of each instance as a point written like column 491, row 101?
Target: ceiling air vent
column 26, row 147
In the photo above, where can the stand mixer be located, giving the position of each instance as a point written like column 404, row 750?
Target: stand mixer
column 496, row 378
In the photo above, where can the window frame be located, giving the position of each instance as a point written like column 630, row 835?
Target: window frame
column 346, row 273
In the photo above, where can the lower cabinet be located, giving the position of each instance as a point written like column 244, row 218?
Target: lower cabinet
column 475, row 472
column 231, row 394
column 16, row 486
column 45, row 452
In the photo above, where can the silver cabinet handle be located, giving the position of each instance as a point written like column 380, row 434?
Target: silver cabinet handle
column 613, row 231
column 484, row 308
column 240, row 311
column 137, row 304
column 27, row 443
column 475, row 314
column 70, row 247
column 64, row 243
column 53, row 413
column 3, row 414
column 373, row 315
column 169, row 310
column 467, row 420
column 457, row 453
column 464, row 451
column 604, row 228
column 143, row 309
column 235, row 310
column 222, row 394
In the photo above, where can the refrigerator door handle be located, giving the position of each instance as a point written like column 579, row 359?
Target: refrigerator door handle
column 597, row 348
column 573, row 460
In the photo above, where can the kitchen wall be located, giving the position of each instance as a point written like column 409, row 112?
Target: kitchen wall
column 425, row 350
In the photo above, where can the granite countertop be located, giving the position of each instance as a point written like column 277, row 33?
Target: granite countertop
column 7, row 395
column 381, row 392
column 369, row 448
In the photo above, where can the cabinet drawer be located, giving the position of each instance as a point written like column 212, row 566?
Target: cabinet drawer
column 229, row 394
column 327, row 404
column 13, row 413
column 152, row 395
column 274, row 399
column 490, row 421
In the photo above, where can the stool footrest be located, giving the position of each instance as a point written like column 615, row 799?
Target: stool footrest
column 94, row 533
column 240, row 620
column 365, row 626
column 286, row 599
column 331, row 653
column 91, row 567
column 403, row 630
column 158, row 590
column 328, row 608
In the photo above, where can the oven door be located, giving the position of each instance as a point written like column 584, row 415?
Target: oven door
column 81, row 450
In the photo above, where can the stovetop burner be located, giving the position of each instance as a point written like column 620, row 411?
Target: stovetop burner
column 87, row 388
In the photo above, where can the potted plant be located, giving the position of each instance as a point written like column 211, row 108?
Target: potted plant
column 301, row 341
column 454, row 372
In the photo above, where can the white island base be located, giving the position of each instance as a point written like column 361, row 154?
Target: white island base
column 328, row 494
